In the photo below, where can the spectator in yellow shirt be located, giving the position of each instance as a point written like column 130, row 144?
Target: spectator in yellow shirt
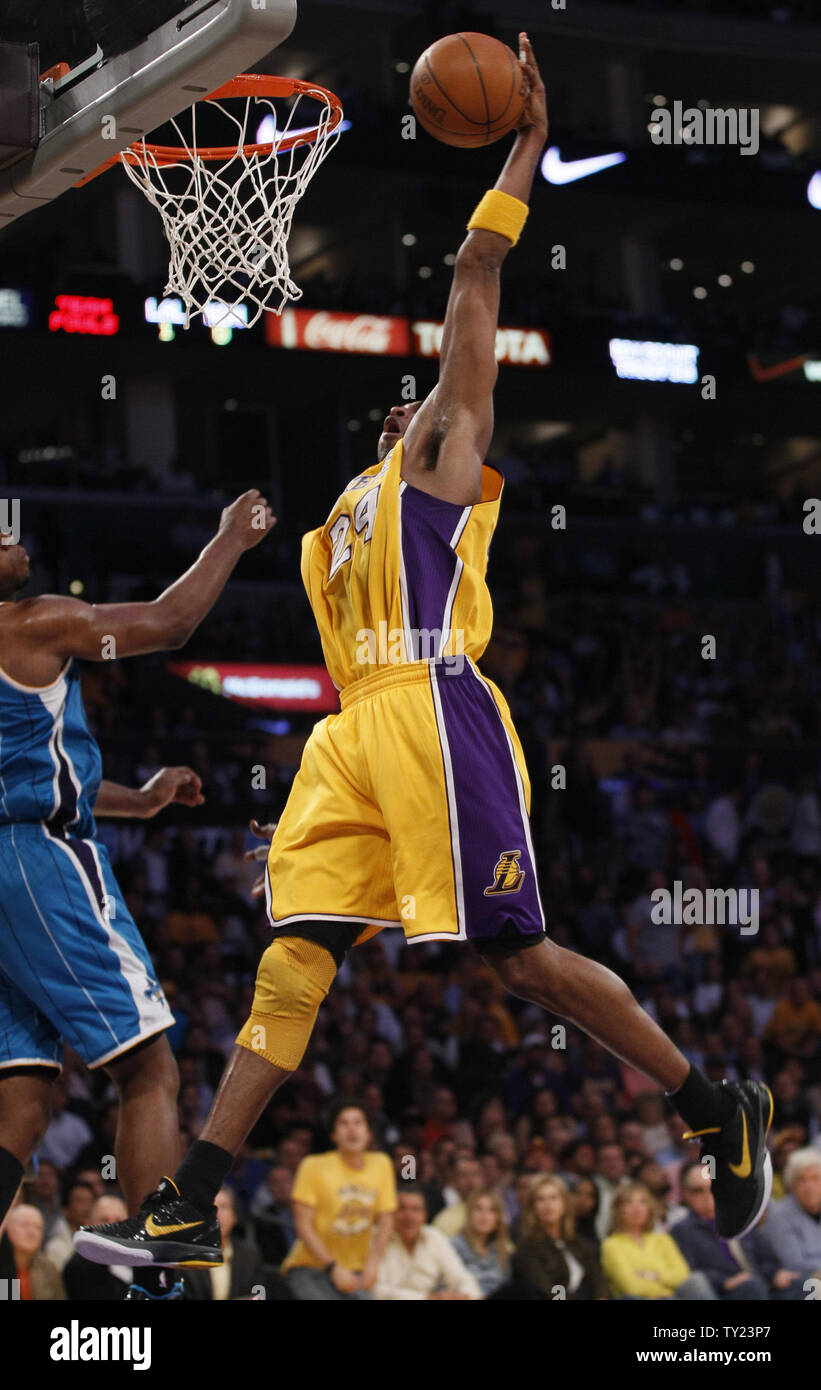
column 343, row 1204
column 773, row 957
column 639, row 1262
column 795, row 1023
column 191, row 927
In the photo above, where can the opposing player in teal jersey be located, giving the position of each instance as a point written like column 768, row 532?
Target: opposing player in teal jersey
column 73, row 966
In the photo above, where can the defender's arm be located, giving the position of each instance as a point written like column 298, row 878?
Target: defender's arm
column 180, row 784
column 52, row 628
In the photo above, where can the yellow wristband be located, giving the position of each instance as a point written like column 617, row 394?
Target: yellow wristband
column 500, row 212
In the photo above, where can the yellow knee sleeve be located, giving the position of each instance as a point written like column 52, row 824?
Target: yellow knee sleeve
column 293, row 978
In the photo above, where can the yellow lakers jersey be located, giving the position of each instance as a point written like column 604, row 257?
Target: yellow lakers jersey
column 396, row 575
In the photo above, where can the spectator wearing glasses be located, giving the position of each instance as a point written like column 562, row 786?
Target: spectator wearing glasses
column 695, row 1235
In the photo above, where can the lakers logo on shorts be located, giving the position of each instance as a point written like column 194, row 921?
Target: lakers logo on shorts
column 508, row 877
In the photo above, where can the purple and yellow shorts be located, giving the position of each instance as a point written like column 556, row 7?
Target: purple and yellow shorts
column 411, row 808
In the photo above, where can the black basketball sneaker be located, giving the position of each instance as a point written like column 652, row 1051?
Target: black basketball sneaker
column 167, row 1230
column 742, row 1171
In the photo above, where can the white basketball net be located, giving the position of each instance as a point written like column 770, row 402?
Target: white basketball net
column 227, row 223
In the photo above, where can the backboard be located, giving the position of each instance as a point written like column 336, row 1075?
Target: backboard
column 101, row 105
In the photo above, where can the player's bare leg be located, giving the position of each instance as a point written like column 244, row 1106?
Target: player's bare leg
column 598, row 1002
column 25, row 1108
column 731, row 1119
column 177, row 1224
column 247, row 1085
column 147, row 1143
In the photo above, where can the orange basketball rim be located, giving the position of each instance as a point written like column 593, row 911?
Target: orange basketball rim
column 246, row 85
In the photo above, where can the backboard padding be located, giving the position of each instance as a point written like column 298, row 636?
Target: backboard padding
column 179, row 63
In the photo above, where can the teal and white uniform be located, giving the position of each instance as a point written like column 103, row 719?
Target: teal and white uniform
column 73, row 966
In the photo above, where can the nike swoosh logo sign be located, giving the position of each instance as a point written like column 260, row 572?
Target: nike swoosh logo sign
column 154, row 1230
column 557, row 170
column 745, row 1167
column 776, row 369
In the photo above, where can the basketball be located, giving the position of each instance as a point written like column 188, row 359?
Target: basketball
column 468, row 90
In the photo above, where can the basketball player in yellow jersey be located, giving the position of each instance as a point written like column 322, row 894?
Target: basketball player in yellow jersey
column 410, row 808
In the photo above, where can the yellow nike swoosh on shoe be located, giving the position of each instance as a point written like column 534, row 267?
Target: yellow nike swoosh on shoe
column 745, row 1167
column 154, row 1230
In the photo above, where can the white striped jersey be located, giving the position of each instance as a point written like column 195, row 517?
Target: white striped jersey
column 50, row 765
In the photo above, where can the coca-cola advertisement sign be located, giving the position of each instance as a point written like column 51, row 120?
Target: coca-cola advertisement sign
column 327, row 330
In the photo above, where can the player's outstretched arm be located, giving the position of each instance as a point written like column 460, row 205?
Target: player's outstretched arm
column 178, row 784
column 448, row 438
column 102, row 631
